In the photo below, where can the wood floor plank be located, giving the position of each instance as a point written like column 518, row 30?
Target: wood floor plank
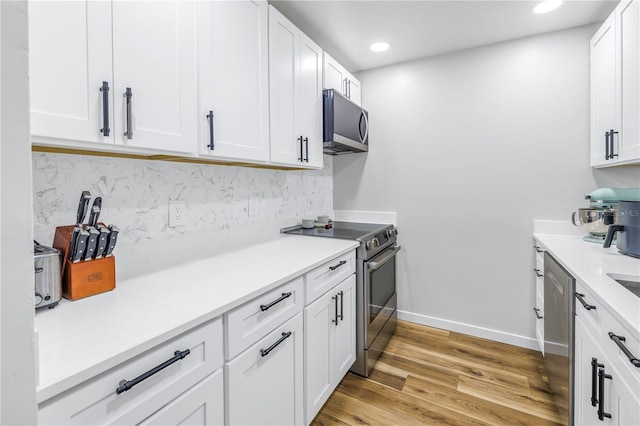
column 428, row 376
column 487, row 411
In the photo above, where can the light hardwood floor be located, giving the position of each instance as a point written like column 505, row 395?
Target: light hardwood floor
column 428, row 376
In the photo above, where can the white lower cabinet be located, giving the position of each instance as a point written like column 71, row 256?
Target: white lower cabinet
column 607, row 385
column 97, row 402
column 330, row 344
column 265, row 382
column 201, row 405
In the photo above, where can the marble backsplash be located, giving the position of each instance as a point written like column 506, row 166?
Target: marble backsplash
column 135, row 195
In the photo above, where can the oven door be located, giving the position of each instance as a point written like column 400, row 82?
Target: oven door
column 379, row 291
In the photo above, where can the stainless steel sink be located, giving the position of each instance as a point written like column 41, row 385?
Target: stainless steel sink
column 630, row 282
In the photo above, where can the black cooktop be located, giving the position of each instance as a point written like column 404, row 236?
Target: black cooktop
column 342, row 230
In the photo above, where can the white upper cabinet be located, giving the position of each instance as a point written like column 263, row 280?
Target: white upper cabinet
column 154, row 55
column 295, row 81
column 615, row 88
column 69, row 59
column 233, row 121
column 148, row 47
column 338, row 78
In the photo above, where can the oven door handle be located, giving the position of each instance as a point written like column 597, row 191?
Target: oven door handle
column 387, row 257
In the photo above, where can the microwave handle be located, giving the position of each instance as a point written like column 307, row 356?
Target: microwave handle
column 366, row 126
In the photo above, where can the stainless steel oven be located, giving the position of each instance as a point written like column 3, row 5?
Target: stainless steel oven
column 376, row 299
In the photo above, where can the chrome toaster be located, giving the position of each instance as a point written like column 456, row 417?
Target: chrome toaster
column 47, row 281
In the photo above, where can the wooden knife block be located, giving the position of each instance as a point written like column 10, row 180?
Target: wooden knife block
column 86, row 277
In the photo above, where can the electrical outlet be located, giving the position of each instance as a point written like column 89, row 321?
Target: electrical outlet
column 254, row 205
column 177, row 212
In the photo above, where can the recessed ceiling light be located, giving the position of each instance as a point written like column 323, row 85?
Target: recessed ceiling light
column 379, row 46
column 546, row 6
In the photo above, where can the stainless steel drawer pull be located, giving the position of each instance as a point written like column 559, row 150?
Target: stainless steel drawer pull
column 536, row 310
column 619, row 341
column 594, row 383
column 342, row 262
column 275, row 302
column 128, row 95
column 126, row 385
column 105, row 108
column 537, row 271
column 585, row 305
column 265, row 352
column 601, row 376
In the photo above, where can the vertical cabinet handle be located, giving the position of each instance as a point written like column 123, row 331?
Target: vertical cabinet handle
column 335, row 299
column 606, row 145
column 611, row 154
column 594, row 384
column 301, row 158
column 128, row 95
column 105, row 109
column 306, row 144
column 341, row 316
column 344, row 91
column 601, row 376
column 211, row 145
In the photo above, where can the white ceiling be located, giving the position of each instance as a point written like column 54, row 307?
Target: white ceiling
column 416, row 29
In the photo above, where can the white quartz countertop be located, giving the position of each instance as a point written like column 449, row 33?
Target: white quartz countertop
column 590, row 263
column 79, row 339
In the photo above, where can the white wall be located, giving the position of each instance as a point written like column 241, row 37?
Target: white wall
column 135, row 196
column 469, row 148
column 17, row 367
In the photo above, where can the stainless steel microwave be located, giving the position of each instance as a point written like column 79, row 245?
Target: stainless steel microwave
column 346, row 125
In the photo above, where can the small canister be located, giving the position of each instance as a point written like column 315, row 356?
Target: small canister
column 47, row 281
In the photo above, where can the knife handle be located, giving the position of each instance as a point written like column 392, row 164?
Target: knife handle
column 82, row 206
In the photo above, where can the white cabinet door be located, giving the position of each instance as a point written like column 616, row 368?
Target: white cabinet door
column 265, row 383
column 586, row 349
column 233, row 55
column 628, row 27
column 202, row 405
column 295, row 95
column 69, row 58
column 319, row 322
column 344, row 340
column 154, row 54
column 330, row 343
column 309, row 103
column 338, row 78
column 603, row 90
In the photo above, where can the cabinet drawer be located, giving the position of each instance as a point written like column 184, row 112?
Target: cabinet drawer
column 249, row 322
column 327, row 276
column 267, row 388
column 592, row 317
column 96, row 401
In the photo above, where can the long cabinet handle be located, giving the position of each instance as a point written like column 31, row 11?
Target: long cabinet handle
column 611, row 154
column 341, row 316
column 606, row 145
column 125, row 385
column 344, row 92
column 128, row 95
column 536, row 310
column 275, row 302
column 585, row 305
column 105, row 109
column 594, row 384
column 301, row 158
column 265, row 352
column 306, row 144
column 601, row 376
column 619, row 341
column 335, row 319
column 211, row 145
column 537, row 271
column 342, row 262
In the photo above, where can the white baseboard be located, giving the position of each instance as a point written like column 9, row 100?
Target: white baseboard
column 472, row 330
